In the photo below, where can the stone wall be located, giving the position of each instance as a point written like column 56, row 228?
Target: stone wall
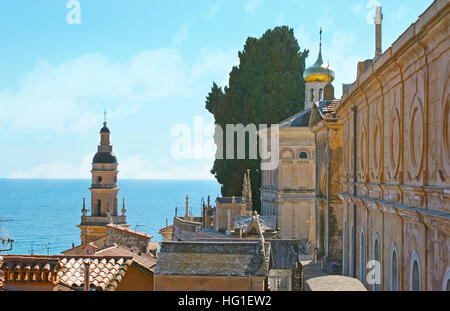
column 184, row 230
column 125, row 237
column 402, row 157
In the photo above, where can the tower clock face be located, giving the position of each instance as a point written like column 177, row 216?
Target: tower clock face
column 99, row 179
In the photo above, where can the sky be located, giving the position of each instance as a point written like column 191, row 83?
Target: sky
column 150, row 65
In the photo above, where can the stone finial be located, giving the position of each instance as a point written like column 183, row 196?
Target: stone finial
column 123, row 210
column 186, row 213
column 108, row 214
column 84, row 207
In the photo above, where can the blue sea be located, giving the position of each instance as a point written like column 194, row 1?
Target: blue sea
column 41, row 215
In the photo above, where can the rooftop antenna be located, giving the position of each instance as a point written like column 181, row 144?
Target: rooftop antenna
column 5, row 238
column 47, row 247
column 31, row 249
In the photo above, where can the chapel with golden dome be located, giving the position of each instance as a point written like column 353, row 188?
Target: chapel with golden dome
column 317, row 77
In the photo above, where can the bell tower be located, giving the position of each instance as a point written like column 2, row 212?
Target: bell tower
column 104, row 192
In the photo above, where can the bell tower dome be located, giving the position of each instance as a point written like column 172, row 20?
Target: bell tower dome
column 104, row 192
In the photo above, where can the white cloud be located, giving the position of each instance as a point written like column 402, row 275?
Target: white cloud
column 138, row 167
column 252, row 5
column 183, row 33
column 213, row 9
column 134, row 167
column 57, row 169
column 70, row 96
column 358, row 9
column 216, row 61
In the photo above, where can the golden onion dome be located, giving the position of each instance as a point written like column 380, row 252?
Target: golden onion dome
column 319, row 72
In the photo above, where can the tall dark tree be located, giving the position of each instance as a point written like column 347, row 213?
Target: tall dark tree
column 266, row 88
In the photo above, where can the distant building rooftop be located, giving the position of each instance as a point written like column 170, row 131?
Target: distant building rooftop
column 124, row 229
column 229, row 200
column 214, row 258
column 300, row 119
column 166, row 229
column 145, row 260
column 267, row 223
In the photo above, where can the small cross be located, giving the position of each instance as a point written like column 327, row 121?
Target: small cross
column 105, row 115
column 320, row 35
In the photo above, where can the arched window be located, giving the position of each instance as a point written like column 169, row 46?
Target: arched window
column 376, row 257
column 115, row 205
column 99, row 208
column 303, row 155
column 362, row 257
column 321, row 94
column 99, row 179
column 344, row 248
column 312, row 94
column 414, row 276
column 446, row 282
column 393, row 283
column 352, row 243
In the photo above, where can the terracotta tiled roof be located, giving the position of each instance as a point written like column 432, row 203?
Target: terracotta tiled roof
column 97, row 244
column 152, row 246
column 166, row 229
column 124, row 229
column 145, row 260
column 105, row 272
column 34, row 268
column 62, row 288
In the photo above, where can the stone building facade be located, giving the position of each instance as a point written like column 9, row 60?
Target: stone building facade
column 329, row 141
column 396, row 168
column 287, row 192
column 227, row 208
column 118, row 235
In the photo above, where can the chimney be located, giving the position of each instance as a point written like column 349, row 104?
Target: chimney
column 186, row 213
column 87, row 262
column 378, row 22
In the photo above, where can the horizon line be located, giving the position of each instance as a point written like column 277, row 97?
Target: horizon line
column 168, row 179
